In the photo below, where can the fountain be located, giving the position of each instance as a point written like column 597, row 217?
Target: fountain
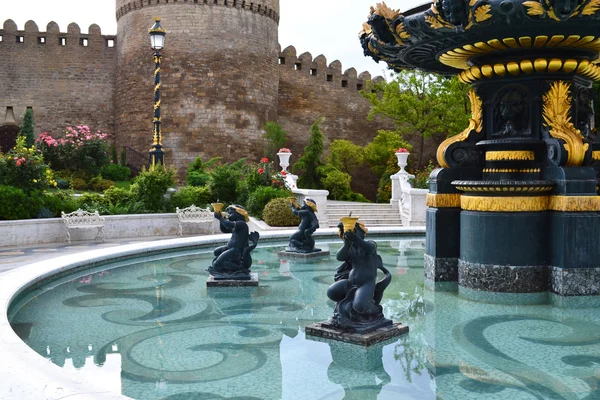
column 514, row 208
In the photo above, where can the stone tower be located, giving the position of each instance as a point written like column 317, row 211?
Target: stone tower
column 220, row 76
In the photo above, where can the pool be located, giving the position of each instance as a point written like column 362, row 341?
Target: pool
column 150, row 329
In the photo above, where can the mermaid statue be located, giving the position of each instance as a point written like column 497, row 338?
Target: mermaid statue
column 302, row 241
column 356, row 291
column 233, row 261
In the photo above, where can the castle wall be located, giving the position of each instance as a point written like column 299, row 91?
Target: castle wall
column 219, row 77
column 65, row 85
column 310, row 89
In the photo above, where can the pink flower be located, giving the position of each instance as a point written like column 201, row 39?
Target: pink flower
column 284, row 150
column 264, row 160
column 18, row 163
column 402, row 150
column 261, row 170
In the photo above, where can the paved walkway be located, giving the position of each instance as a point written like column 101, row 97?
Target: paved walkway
column 11, row 258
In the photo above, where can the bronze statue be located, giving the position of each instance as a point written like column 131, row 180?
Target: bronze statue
column 302, row 241
column 356, row 291
column 233, row 261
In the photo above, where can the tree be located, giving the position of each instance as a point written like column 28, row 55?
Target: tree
column 307, row 166
column 345, row 156
column 422, row 103
column 27, row 129
column 384, row 145
column 275, row 138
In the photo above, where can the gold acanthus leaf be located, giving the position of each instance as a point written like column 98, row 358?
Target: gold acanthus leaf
column 483, row 13
column 557, row 103
column 386, row 12
column 534, row 8
column 472, row 3
column 365, row 30
column 591, row 8
column 401, row 31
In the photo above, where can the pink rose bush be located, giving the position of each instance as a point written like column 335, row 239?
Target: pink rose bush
column 24, row 167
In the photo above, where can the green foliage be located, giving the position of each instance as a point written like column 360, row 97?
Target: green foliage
column 99, row 185
column 261, row 196
column 308, row 165
column 123, row 157
column 24, row 168
column 150, row 186
column 114, row 158
column 384, row 190
column 16, row 204
column 117, row 196
column 188, row 195
column 378, row 152
column 275, row 138
column 345, row 156
column 27, row 129
column 116, row 172
column 422, row 103
column 78, row 183
column 94, row 201
column 277, row 212
column 336, row 182
column 421, row 180
column 224, row 181
column 59, row 201
column 198, row 173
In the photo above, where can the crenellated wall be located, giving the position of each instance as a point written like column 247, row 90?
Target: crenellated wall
column 68, row 78
column 310, row 88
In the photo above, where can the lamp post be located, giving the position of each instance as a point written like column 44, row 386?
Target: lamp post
column 157, row 37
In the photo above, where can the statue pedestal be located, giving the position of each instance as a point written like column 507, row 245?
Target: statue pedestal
column 212, row 282
column 294, row 254
column 326, row 331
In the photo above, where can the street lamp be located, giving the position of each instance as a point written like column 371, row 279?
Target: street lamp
column 157, row 37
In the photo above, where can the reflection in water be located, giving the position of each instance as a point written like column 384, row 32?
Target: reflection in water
column 152, row 330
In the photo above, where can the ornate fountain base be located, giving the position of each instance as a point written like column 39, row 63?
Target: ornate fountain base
column 216, row 282
column 327, row 331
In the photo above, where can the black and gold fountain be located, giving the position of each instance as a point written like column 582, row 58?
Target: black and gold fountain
column 515, row 206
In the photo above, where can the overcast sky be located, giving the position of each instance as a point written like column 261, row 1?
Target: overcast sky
column 328, row 27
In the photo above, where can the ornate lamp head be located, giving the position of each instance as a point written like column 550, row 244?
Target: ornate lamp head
column 157, row 35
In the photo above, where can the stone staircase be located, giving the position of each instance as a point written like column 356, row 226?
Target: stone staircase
column 370, row 214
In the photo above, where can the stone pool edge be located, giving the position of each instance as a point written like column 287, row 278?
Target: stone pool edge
column 25, row 374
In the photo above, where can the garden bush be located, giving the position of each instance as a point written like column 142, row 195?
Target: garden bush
column 261, row 197
column 117, row 196
column 198, row 173
column 23, row 167
column 99, row 185
column 188, row 195
column 116, row 172
column 16, row 204
column 278, row 212
column 150, row 186
column 78, row 183
column 224, row 182
column 60, row 201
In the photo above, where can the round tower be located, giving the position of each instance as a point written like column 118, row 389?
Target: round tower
column 219, row 76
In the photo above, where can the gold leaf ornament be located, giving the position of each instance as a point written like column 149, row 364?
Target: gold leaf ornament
column 591, row 8
column 386, row 12
column 557, row 103
column 483, row 13
column 401, row 31
column 534, row 8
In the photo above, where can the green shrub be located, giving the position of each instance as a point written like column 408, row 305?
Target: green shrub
column 117, row 196
column 15, row 204
column 198, row 173
column 60, row 201
column 188, row 195
column 78, row 183
column 150, row 186
column 99, row 185
column 113, row 155
column 124, row 157
column 195, row 178
column 62, row 184
column 224, row 182
column 27, row 129
column 336, row 182
column 278, row 212
column 421, row 180
column 23, row 167
column 261, row 197
column 116, row 172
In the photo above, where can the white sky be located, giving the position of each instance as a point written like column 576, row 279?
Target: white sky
column 328, row 27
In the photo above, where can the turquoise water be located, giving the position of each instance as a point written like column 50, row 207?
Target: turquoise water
column 150, row 329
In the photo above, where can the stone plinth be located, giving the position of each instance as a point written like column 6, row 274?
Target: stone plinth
column 303, row 256
column 326, row 331
column 212, row 282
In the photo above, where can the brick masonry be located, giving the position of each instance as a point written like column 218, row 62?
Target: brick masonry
column 223, row 76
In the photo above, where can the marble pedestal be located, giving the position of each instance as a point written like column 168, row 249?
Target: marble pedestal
column 326, row 331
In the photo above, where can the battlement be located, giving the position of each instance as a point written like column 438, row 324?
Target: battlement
column 253, row 6
column 322, row 72
column 53, row 37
